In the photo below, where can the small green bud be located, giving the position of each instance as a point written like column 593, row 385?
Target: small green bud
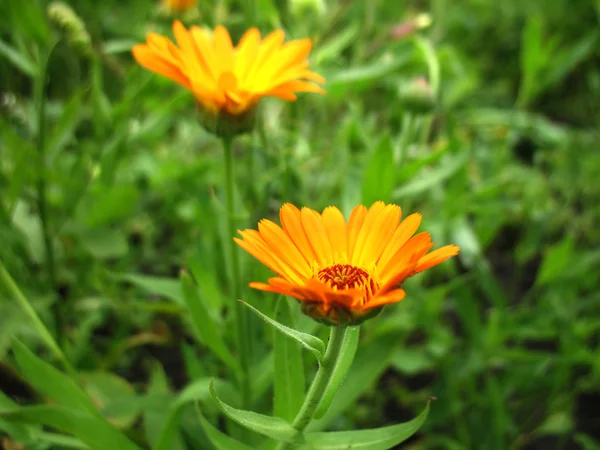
column 301, row 8
column 417, row 96
column 71, row 25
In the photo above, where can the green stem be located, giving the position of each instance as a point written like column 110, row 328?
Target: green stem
column 319, row 384
column 42, row 203
column 12, row 287
column 241, row 316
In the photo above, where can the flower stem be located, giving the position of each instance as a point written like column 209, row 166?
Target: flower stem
column 46, row 336
column 42, row 203
column 319, row 384
column 241, row 316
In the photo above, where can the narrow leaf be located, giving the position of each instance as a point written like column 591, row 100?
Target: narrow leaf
column 96, row 433
column 219, row 439
column 20, row 61
column 375, row 439
column 379, row 175
column 310, row 342
column 349, row 346
column 204, row 323
column 50, row 381
column 167, row 287
column 272, row 427
column 289, row 370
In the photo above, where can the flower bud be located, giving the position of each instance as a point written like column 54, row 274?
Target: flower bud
column 71, row 25
column 302, row 8
column 411, row 26
column 417, row 96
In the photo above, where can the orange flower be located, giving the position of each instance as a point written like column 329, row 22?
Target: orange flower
column 229, row 79
column 342, row 272
column 179, row 5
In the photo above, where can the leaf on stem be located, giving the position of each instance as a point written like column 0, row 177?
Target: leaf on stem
column 308, row 341
column 374, row 439
column 272, row 427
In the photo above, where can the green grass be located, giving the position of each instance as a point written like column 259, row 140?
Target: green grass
column 505, row 165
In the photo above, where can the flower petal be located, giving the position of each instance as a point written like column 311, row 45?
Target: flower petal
column 337, row 230
column 317, row 236
column 289, row 216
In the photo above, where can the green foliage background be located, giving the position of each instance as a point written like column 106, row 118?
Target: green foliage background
column 505, row 165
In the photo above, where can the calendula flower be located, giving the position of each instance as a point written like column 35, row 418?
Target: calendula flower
column 227, row 81
column 179, row 5
column 342, row 272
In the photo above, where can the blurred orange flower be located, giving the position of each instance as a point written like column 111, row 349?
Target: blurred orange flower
column 343, row 272
column 229, row 79
column 179, row 5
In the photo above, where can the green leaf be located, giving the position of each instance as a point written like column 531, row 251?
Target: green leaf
column 20, row 61
column 50, row 381
column 204, row 323
column 288, row 369
column 347, row 352
column 272, row 427
column 59, row 440
column 167, row 287
column 431, row 178
column 66, row 126
column 333, row 47
column 104, row 243
column 379, row 175
column 375, row 439
column 556, row 260
column 219, row 439
column 96, row 433
column 361, row 77
column 311, row 343
column 105, row 388
column 161, row 425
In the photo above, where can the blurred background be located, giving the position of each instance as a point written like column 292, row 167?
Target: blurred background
column 483, row 116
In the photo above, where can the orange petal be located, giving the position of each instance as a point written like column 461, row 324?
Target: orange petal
column 150, row 60
column 289, row 216
column 436, row 257
column 223, row 48
column 337, row 230
column 372, row 216
column 357, row 218
column 254, row 244
column 393, row 296
column 246, row 53
column 281, row 244
column 380, row 229
column 402, row 234
column 317, row 236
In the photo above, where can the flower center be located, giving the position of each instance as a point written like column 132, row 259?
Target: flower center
column 346, row 276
